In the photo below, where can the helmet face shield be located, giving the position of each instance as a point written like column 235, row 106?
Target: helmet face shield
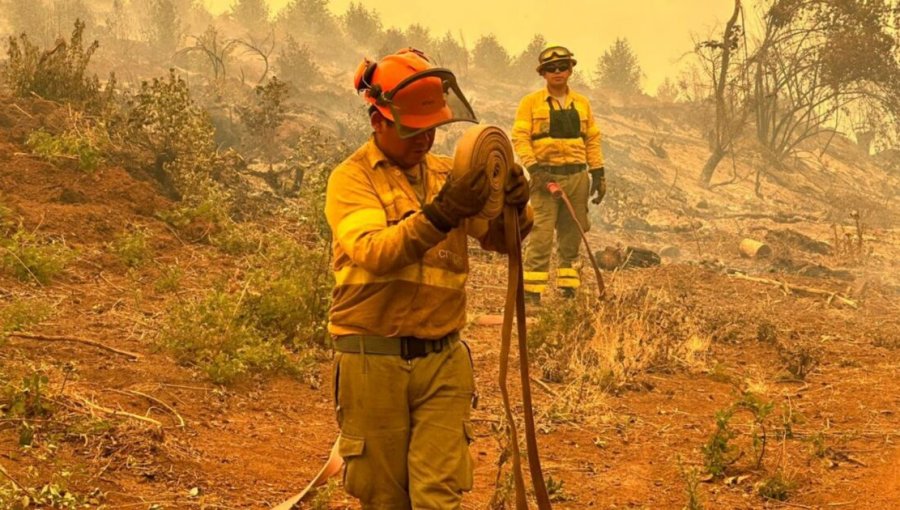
column 426, row 100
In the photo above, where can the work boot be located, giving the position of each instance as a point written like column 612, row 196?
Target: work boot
column 568, row 293
column 532, row 298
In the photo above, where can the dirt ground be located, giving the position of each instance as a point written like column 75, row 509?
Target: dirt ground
column 635, row 445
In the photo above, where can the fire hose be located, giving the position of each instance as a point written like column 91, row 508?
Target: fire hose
column 487, row 149
column 556, row 190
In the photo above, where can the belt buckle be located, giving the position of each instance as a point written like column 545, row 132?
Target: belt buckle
column 411, row 348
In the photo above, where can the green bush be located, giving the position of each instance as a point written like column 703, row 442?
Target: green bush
column 718, row 452
column 59, row 74
column 262, row 117
column 26, row 403
column 169, row 280
column 70, row 145
column 20, row 314
column 176, row 135
column 295, row 64
column 281, row 306
column 775, row 487
column 215, row 333
column 293, row 293
column 132, row 246
column 28, row 257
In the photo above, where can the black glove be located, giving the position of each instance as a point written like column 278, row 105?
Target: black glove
column 516, row 190
column 458, row 200
column 598, row 184
column 539, row 177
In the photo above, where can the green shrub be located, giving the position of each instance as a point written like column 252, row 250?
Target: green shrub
column 176, row 135
column 262, row 117
column 26, row 403
column 70, row 145
column 775, row 487
column 20, row 314
column 215, row 333
column 169, row 280
column 59, row 74
column 293, row 292
column 236, row 238
column 6, row 219
column 132, row 246
column 202, row 217
column 718, row 452
column 281, row 306
column 27, row 257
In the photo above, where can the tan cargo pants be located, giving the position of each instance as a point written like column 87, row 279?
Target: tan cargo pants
column 405, row 428
column 550, row 214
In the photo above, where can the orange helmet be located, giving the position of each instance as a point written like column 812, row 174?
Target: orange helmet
column 412, row 93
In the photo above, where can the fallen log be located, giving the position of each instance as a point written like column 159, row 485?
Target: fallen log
column 789, row 287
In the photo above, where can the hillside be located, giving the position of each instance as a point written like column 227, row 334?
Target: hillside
column 158, row 423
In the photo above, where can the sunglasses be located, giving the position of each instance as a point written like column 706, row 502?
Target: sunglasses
column 557, row 68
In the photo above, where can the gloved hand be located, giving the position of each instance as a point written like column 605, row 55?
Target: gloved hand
column 539, row 177
column 516, row 190
column 598, row 184
column 458, row 200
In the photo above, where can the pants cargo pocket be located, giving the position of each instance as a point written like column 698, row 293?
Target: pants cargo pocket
column 467, row 466
column 351, row 449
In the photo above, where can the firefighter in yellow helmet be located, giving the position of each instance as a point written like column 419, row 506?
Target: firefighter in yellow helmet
column 403, row 378
column 557, row 140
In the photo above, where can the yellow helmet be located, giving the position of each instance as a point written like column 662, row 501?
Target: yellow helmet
column 553, row 54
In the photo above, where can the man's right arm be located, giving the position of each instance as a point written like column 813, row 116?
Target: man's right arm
column 359, row 223
column 521, row 134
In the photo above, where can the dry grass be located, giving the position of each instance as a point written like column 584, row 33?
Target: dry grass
column 591, row 348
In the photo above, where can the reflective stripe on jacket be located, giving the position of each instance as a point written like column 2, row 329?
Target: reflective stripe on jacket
column 532, row 127
column 395, row 273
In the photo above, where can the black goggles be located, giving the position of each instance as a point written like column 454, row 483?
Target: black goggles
column 557, row 67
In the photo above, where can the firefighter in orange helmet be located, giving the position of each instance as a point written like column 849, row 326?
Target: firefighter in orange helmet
column 403, row 378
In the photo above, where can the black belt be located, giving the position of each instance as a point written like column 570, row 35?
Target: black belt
column 407, row 347
column 563, row 169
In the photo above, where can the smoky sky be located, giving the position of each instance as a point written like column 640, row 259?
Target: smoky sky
column 660, row 31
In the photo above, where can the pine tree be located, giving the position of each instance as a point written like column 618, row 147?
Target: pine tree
column 618, row 69
column 361, row 24
column 253, row 14
column 667, row 92
column 490, row 56
column 451, row 54
column 523, row 67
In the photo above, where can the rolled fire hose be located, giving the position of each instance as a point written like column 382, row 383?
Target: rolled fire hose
column 556, row 190
column 487, row 149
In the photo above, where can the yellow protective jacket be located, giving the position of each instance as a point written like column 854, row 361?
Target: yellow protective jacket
column 395, row 273
column 533, row 119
